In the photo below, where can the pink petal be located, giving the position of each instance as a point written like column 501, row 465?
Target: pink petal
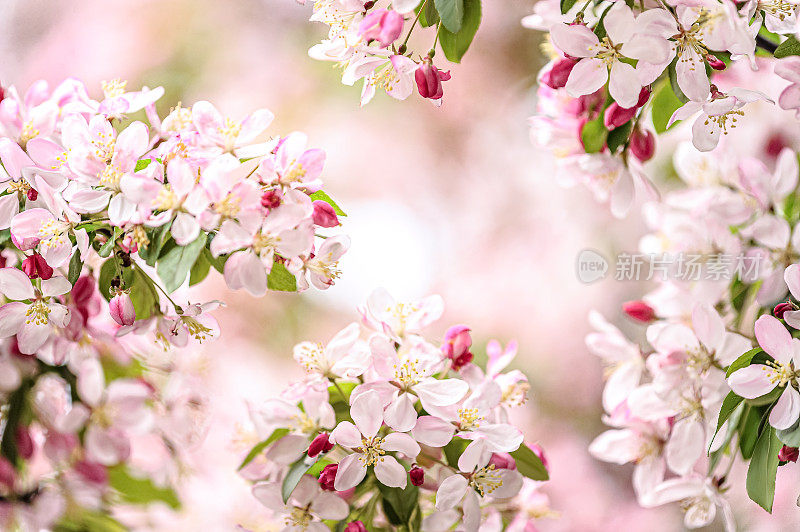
column 350, row 473
column 752, row 381
column 390, row 473
column 786, row 411
column 774, row 338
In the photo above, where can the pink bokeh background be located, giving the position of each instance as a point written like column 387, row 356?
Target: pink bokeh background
column 454, row 201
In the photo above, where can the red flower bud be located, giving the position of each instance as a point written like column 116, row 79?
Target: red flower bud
column 639, row 310
column 382, row 25
column 503, row 461
column 25, row 445
column 616, row 115
column 417, row 475
column 271, row 199
column 457, row 342
column 355, row 526
column 714, row 62
column 643, row 144
column 556, row 76
column 644, row 95
column 32, row 194
column 121, row 308
column 782, row 308
column 324, row 215
column 429, row 80
column 320, row 444
column 36, row 267
column 328, row 476
column 788, row 454
column 92, row 472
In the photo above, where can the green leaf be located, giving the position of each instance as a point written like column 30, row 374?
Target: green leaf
column 281, row 279
column 399, row 504
column 455, row 45
column 140, row 490
column 619, row 136
column 321, row 195
column 176, row 264
column 107, row 272
column 453, row 450
column 664, row 105
column 113, row 370
column 600, row 29
column 295, row 473
column 763, row 468
column 17, row 405
column 157, row 238
column 743, row 361
column 200, row 269
column 144, row 295
column 750, row 430
column 594, row 135
column 528, row 464
column 731, row 403
column 566, row 5
column 790, row 46
column 790, row 436
column 88, row 521
column 106, row 249
column 452, row 13
column 141, row 164
column 75, row 268
column 260, row 446
column 428, row 16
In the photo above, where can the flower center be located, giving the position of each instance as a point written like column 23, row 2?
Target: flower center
column 166, row 199
column 386, row 79
column 780, row 374
column 311, row 357
column 113, row 88
column 28, row 132
column 264, row 241
column 304, row 423
column 104, row 146
column 230, row 132
column 18, row 186
column 468, row 418
column 407, row 373
column 229, row 207
column 296, row 172
column 371, row 451
column 725, row 120
column 300, row 517
column 516, row 394
column 37, row 313
column 110, row 177
column 196, row 329
column 607, row 51
column 778, row 8
column 486, row 480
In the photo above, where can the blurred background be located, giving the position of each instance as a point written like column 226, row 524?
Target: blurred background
column 454, row 201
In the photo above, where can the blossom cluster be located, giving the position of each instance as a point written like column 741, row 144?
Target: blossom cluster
column 715, row 381
column 390, row 430
column 364, row 40
column 623, row 72
column 103, row 220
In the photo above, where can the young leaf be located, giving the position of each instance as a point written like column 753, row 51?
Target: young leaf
column 600, row 29
column 295, row 473
column 619, row 136
column 157, row 239
column 731, row 402
column 452, row 13
column 594, row 135
column 453, row 450
column 763, row 468
column 200, row 269
column 566, row 5
column 528, row 464
column 790, row 46
column 144, row 295
column 140, row 490
column 141, row 164
column 106, row 249
column 321, row 195
column 428, row 16
column 260, row 446
column 399, row 504
column 455, row 45
column 743, row 361
column 178, row 261
column 75, row 268
column 281, row 279
column 664, row 105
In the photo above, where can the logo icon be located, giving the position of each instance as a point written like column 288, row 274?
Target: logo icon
column 591, row 266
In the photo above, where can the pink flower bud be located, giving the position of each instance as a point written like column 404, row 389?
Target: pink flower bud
column 457, row 342
column 429, row 80
column 782, row 308
column 92, row 472
column 382, row 25
column 25, row 445
column 644, row 95
column 320, row 444
column 121, row 308
column 355, row 526
column 714, row 62
column 8, row 474
column 503, row 461
column 32, row 194
column 556, row 76
column 328, row 476
column 271, row 199
column 36, row 267
column 639, row 310
column 643, row 144
column 616, row 115
column 417, row 475
column 83, row 290
column 324, row 215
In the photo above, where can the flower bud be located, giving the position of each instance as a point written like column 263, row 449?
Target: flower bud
column 556, row 76
column 429, row 80
column 788, row 454
column 503, row 461
column 417, row 475
column 355, row 526
column 320, row 444
column 616, row 115
column 715, row 62
column 271, row 199
column 782, row 308
column 25, row 445
column 32, row 194
column 643, row 144
column 83, row 290
column 8, row 474
column 639, row 310
column 121, row 308
column 457, row 342
column 644, row 95
column 92, row 472
column 328, row 476
column 382, row 25
column 36, row 267
column 324, row 215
